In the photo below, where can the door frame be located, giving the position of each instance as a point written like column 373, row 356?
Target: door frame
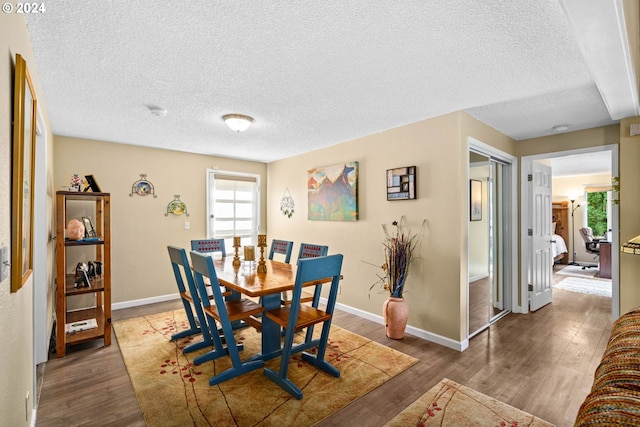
column 526, row 164
column 511, row 221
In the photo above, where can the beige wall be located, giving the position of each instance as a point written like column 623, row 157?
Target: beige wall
column 140, row 229
column 16, row 310
column 629, row 214
column 436, row 288
column 595, row 137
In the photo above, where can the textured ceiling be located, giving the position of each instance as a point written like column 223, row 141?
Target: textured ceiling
column 312, row 74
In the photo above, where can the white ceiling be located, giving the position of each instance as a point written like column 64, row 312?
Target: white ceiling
column 315, row 74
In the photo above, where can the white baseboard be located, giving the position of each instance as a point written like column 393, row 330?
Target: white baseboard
column 478, row 277
column 144, row 301
column 420, row 333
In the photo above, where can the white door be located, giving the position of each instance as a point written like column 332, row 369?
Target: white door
column 541, row 262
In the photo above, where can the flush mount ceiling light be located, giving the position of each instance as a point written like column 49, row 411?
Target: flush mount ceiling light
column 560, row 128
column 157, row 111
column 237, row 122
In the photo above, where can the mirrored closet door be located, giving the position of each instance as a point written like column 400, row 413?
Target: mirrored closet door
column 489, row 297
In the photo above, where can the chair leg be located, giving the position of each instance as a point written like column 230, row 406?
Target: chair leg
column 237, row 366
column 280, row 377
column 193, row 325
column 318, row 360
column 218, row 348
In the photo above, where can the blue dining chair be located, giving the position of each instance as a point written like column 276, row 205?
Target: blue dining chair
column 190, row 300
column 209, row 245
column 224, row 312
column 313, row 272
column 308, row 250
column 284, row 247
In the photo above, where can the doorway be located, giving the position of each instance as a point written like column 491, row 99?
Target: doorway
column 489, row 236
column 572, row 190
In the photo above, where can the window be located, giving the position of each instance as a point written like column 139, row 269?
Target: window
column 597, row 207
column 232, row 207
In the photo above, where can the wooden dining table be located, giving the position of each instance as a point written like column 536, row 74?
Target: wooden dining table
column 245, row 280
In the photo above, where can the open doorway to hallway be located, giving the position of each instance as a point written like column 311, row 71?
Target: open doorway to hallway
column 577, row 175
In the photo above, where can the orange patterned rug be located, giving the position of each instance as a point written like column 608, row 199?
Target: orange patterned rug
column 172, row 391
column 451, row 404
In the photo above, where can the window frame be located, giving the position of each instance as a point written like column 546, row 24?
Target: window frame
column 210, row 203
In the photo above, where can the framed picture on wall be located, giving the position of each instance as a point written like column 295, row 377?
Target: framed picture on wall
column 24, row 144
column 475, row 202
column 401, row 183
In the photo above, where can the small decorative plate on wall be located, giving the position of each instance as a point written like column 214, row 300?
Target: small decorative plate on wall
column 142, row 187
column 176, row 207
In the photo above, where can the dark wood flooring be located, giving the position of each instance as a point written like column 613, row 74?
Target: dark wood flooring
column 542, row 363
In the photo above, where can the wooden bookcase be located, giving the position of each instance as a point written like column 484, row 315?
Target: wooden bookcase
column 97, row 207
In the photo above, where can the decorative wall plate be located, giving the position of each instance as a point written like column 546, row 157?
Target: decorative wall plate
column 142, row 187
column 176, row 207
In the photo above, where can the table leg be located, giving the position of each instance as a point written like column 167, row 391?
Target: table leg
column 271, row 333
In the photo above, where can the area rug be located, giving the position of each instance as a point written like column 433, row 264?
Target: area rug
column 172, row 391
column 451, row 404
column 585, row 286
column 577, row 271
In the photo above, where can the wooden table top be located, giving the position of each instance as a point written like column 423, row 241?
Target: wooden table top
column 278, row 278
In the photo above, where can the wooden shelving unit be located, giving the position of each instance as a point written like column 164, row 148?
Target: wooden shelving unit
column 100, row 286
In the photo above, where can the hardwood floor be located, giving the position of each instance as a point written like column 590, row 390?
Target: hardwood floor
column 542, row 363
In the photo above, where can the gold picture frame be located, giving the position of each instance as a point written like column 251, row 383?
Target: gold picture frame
column 24, row 138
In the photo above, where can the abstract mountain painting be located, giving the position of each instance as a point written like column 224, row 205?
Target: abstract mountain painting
column 333, row 192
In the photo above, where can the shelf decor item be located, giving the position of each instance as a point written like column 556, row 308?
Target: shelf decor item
column 24, row 145
column 176, row 207
column 142, row 187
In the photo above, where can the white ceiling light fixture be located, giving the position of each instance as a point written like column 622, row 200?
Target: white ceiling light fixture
column 560, row 128
column 157, row 111
column 237, row 122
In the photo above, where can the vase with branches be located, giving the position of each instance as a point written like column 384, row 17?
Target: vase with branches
column 400, row 249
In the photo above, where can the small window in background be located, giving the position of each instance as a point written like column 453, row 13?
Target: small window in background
column 232, row 207
column 597, row 213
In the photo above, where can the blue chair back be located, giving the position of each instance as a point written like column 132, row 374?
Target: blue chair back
column 190, row 298
column 284, row 247
column 209, row 245
column 308, row 250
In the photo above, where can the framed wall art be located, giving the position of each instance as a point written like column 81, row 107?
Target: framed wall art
column 24, row 143
column 401, row 183
column 475, row 202
column 333, row 192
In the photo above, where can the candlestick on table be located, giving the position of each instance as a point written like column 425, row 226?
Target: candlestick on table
column 236, row 246
column 262, row 243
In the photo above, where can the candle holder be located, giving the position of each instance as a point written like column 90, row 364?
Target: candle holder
column 249, row 256
column 262, row 243
column 236, row 246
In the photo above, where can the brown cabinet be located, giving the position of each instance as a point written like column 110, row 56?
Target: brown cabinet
column 78, row 303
